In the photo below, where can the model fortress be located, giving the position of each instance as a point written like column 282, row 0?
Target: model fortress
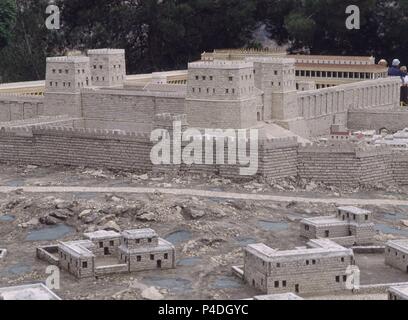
column 106, row 252
column 320, row 267
column 92, row 114
column 350, row 226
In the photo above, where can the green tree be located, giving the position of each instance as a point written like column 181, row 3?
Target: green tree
column 7, row 20
column 158, row 35
column 319, row 25
column 31, row 42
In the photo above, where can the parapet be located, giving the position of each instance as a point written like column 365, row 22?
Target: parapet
column 136, row 93
column 220, row 64
column 30, row 130
column 68, row 59
column 271, row 60
column 105, row 51
column 16, row 131
column 19, row 97
column 346, row 87
column 282, row 142
column 252, row 50
column 315, row 248
column 91, row 133
column 359, row 150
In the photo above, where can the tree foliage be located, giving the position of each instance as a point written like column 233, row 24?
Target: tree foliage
column 166, row 34
column 7, row 20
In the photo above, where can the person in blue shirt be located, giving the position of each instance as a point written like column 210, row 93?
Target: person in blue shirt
column 394, row 70
column 404, row 88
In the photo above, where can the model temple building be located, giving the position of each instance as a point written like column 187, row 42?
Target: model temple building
column 319, row 267
column 396, row 254
column 107, row 252
column 350, row 226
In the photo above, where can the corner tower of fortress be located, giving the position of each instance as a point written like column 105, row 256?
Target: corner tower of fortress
column 108, row 67
column 276, row 78
column 65, row 77
column 220, row 94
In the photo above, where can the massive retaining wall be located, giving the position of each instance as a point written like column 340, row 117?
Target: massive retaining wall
column 18, row 107
column 32, row 144
column 128, row 110
column 345, row 164
column 377, row 120
column 277, row 158
column 77, row 147
column 319, row 109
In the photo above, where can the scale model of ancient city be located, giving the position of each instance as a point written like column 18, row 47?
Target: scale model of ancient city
column 93, row 207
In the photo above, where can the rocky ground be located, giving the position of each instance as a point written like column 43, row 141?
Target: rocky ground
column 208, row 233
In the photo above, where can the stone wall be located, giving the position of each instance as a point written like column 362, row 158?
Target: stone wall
column 127, row 110
column 48, row 254
column 399, row 167
column 377, row 120
column 112, row 269
column 78, row 147
column 345, row 164
column 18, row 107
column 27, row 142
column 278, row 158
column 318, row 109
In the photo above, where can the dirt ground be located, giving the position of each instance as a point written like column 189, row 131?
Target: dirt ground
column 209, row 233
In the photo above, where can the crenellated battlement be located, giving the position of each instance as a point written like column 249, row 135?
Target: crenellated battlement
column 220, row 64
column 106, row 51
column 281, row 142
column 272, row 60
column 252, row 50
column 90, row 133
column 35, row 121
column 68, row 59
column 357, row 149
column 20, row 97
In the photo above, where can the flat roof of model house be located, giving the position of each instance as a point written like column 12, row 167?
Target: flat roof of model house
column 399, row 244
column 315, row 248
column 324, row 221
column 78, row 249
column 102, row 234
column 37, row 291
column 353, row 210
column 401, row 290
column 162, row 245
column 139, row 233
column 279, row 296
